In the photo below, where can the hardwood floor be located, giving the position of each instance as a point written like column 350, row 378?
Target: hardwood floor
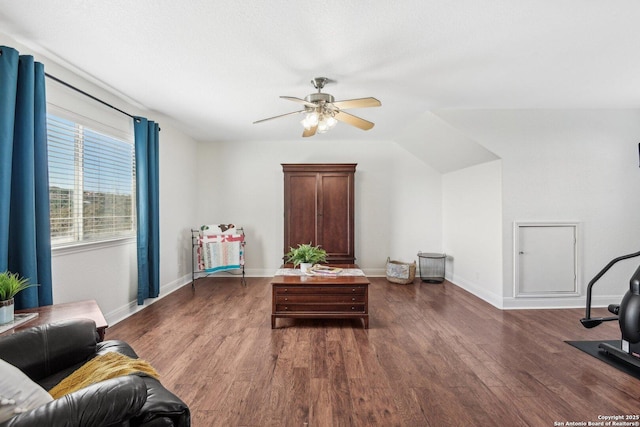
column 434, row 355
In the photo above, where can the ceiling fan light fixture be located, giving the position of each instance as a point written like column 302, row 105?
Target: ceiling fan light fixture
column 326, row 123
column 310, row 120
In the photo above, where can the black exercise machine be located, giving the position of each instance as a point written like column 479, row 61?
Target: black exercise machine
column 627, row 314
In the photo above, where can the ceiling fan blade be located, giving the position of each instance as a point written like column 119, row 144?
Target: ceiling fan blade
column 281, row 115
column 357, row 103
column 299, row 100
column 353, row 120
column 310, row 132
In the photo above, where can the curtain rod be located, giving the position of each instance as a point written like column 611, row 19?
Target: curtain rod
column 70, row 86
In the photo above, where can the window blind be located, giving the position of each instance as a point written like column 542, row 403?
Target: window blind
column 91, row 183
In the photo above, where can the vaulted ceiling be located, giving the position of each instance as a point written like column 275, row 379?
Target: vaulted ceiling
column 217, row 66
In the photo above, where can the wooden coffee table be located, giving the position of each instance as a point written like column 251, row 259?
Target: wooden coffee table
column 320, row 297
column 87, row 309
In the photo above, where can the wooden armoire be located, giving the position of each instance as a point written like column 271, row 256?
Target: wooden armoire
column 318, row 208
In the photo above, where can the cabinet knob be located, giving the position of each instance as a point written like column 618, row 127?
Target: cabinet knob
column 353, row 290
column 353, row 299
column 286, row 308
column 285, row 289
column 286, row 299
column 353, row 308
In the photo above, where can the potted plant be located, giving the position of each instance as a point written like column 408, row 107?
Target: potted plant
column 10, row 285
column 306, row 255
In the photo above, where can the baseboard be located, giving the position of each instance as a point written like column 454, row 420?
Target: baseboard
column 122, row 313
column 533, row 303
column 268, row 272
column 375, row 272
column 511, row 303
column 493, row 299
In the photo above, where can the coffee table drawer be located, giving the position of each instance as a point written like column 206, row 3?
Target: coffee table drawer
column 320, row 299
column 322, row 308
column 282, row 290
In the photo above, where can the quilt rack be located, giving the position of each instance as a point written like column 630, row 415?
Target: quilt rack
column 217, row 248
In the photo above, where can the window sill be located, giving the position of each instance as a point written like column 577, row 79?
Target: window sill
column 91, row 246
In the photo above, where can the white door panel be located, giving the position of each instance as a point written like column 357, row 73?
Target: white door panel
column 545, row 259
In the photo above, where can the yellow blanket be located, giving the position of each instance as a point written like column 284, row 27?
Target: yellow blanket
column 100, row 368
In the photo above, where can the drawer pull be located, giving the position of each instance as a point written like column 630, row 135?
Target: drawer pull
column 286, row 298
column 285, row 289
column 286, row 308
column 353, row 308
column 353, row 299
column 353, row 290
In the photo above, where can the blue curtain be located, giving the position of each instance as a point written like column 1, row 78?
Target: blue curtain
column 148, row 207
column 25, row 239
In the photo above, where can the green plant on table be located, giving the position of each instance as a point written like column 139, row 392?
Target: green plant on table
column 306, row 253
column 11, row 284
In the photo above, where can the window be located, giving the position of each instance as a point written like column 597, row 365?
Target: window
column 91, row 182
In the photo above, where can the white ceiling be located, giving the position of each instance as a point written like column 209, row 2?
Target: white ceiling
column 217, row 66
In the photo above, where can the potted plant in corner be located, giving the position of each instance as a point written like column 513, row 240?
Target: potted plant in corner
column 306, row 255
column 10, row 285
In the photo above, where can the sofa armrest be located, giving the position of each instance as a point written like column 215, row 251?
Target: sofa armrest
column 50, row 348
column 162, row 407
column 105, row 403
column 117, row 346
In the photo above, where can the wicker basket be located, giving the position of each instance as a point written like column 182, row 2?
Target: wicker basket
column 400, row 272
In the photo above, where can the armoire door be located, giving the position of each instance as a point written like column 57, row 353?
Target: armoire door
column 335, row 216
column 301, row 197
column 319, row 208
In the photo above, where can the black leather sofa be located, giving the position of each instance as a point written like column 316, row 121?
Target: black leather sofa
column 49, row 353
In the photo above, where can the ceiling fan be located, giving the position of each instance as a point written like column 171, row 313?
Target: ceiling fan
column 323, row 113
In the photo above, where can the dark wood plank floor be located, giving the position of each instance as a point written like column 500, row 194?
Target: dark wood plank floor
column 434, row 355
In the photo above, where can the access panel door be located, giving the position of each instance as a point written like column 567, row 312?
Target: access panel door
column 545, row 260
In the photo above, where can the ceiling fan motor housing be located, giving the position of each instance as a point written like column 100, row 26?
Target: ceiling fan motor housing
column 319, row 98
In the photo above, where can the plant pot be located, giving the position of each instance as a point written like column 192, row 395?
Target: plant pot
column 304, row 266
column 6, row 311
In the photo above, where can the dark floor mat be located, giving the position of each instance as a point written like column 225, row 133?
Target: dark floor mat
column 591, row 347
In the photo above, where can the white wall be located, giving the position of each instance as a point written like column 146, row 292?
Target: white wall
column 178, row 203
column 567, row 165
column 472, row 229
column 108, row 273
column 397, row 197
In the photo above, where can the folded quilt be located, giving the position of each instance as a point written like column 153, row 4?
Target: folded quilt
column 220, row 252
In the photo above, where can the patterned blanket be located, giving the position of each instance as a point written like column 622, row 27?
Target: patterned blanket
column 217, row 252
